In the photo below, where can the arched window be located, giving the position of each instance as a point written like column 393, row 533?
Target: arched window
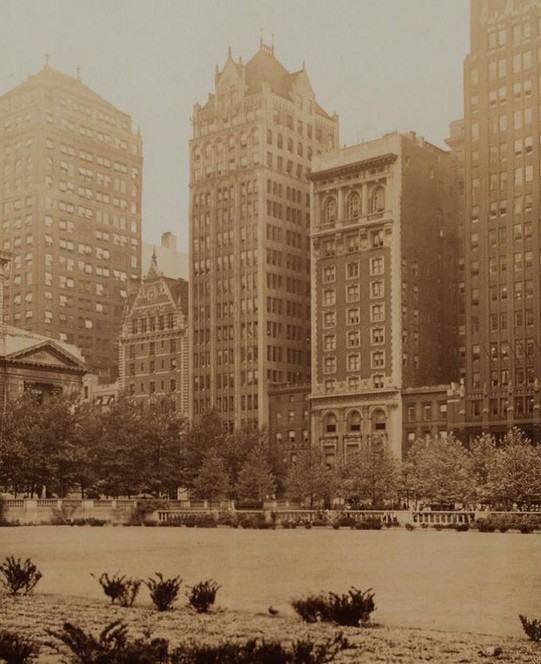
column 354, row 421
column 208, row 151
column 354, row 205
column 329, row 424
column 329, row 210
column 280, row 141
column 197, row 154
column 243, row 139
column 379, row 421
column 378, row 199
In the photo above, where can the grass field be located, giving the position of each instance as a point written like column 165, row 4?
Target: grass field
column 464, row 582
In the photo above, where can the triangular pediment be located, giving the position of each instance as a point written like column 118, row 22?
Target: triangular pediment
column 152, row 294
column 46, row 354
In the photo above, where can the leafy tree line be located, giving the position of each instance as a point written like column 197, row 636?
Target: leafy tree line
column 132, row 448
column 66, row 445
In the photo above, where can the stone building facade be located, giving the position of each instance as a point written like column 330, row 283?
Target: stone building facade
column 252, row 148
column 70, row 213
column 154, row 341
column 384, row 273
column 502, row 280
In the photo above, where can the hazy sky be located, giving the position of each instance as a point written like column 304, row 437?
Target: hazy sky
column 380, row 64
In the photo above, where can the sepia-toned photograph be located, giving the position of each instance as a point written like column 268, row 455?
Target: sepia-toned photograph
column 269, row 266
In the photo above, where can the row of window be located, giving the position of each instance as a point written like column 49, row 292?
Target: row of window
column 353, row 292
column 353, row 361
column 353, row 315
column 353, row 422
column 353, row 338
column 353, row 205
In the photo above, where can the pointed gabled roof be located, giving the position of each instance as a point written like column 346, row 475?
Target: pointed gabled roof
column 265, row 67
column 153, row 271
column 49, row 77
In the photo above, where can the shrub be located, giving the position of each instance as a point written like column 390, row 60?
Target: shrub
column 89, row 521
column 368, row 523
column 121, row 588
column 409, row 526
column 313, row 608
column 111, row 647
column 163, row 592
column 350, row 609
column 462, row 527
column 253, row 521
column 353, row 608
column 62, row 515
column 144, row 508
column 308, row 525
column 18, row 576
column 203, row 595
column 226, row 519
column 485, row 526
column 526, row 528
column 15, row 649
column 532, row 628
column 259, row 651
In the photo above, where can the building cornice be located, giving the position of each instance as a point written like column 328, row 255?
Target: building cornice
column 341, row 170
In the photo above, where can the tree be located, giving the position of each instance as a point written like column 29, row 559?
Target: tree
column 212, row 481
column 309, row 478
column 370, row 474
column 440, row 470
column 255, row 479
column 482, row 451
column 206, row 434
column 514, row 471
column 140, row 449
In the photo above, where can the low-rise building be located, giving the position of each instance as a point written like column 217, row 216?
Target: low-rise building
column 289, row 419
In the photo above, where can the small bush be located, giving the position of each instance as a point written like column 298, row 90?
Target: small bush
column 253, row 521
column 354, row 608
column 314, row 608
column 462, row 527
column 532, row 628
column 15, row 649
column 485, row 526
column 120, row 588
column 90, row 521
column 259, row 651
column 144, row 508
column 350, row 609
column 203, row 595
column 111, row 647
column 19, row 577
column 62, row 515
column 526, row 528
column 308, row 525
column 409, row 526
column 163, row 592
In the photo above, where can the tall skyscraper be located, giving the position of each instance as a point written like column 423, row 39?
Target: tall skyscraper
column 70, row 213
column 384, row 273
column 252, row 147
column 502, row 234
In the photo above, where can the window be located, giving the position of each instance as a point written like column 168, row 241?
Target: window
column 354, row 362
column 377, row 265
column 329, row 319
column 353, row 339
column 354, row 421
column 329, row 423
column 377, row 200
column 329, row 274
column 329, row 210
column 329, row 296
column 354, row 206
column 378, row 335
column 353, row 316
column 378, row 359
column 329, row 364
column 329, row 342
column 377, row 312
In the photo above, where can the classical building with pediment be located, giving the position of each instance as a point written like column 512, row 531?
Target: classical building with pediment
column 30, row 361
column 154, row 341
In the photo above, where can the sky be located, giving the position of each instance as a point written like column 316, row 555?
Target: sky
column 382, row 65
